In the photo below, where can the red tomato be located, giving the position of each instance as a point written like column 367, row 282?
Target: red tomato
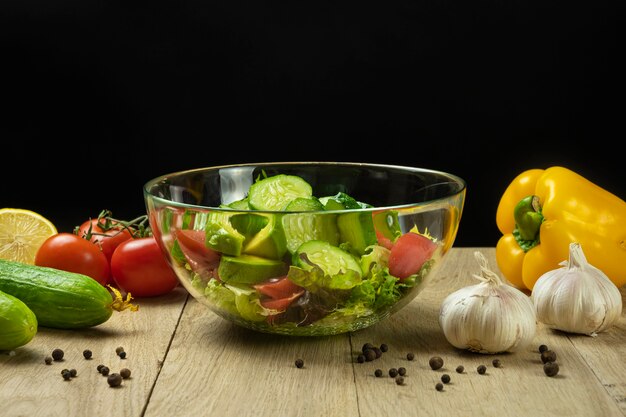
column 108, row 240
column 408, row 254
column 281, row 304
column 383, row 241
column 278, row 288
column 139, row 267
column 202, row 260
column 69, row 252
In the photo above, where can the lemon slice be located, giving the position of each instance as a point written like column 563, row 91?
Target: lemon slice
column 22, row 232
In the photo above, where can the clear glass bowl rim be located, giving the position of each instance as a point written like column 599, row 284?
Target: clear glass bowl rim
column 453, row 178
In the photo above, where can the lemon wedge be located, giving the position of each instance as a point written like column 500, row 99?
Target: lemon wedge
column 22, row 232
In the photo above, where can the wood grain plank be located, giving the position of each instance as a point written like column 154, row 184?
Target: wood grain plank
column 518, row 388
column 216, row 368
column 30, row 388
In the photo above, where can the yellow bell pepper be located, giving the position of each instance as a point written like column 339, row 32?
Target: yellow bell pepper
column 542, row 211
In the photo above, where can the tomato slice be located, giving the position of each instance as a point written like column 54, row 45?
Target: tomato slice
column 201, row 259
column 408, row 254
column 384, row 241
column 281, row 304
column 278, row 288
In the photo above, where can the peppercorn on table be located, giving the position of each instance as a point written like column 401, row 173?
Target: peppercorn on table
column 185, row 361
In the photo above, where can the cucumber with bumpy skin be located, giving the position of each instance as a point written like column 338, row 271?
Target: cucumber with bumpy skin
column 59, row 299
column 18, row 323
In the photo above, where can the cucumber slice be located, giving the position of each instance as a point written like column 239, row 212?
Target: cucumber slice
column 274, row 193
column 249, row 269
column 357, row 229
column 340, row 201
column 304, row 204
column 302, row 227
column 330, row 259
column 240, row 204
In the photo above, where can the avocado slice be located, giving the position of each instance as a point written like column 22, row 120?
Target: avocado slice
column 249, row 269
column 270, row 241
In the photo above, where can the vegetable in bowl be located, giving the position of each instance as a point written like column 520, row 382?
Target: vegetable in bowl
column 283, row 258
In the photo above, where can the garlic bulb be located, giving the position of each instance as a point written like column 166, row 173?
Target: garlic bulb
column 578, row 297
column 489, row 317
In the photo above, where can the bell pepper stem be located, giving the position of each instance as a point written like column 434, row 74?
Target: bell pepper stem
column 528, row 219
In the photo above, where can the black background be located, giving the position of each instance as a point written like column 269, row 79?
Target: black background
column 101, row 96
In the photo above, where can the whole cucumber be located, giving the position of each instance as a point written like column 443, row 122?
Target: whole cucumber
column 18, row 323
column 59, row 299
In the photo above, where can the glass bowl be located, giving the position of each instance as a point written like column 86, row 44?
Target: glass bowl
column 305, row 248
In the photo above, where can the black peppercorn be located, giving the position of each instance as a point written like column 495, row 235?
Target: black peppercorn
column 551, row 368
column 122, row 355
column 439, row 386
column 99, row 368
column 87, row 354
column 481, row 369
column 57, row 354
column 548, row 356
column 73, row 373
column 445, row 378
column 435, row 362
column 378, row 373
column 460, row 369
column 378, row 352
column 496, row 363
column 104, row 370
column 360, row 358
column 125, row 373
column 410, row 356
column 393, row 372
column 542, row 348
column 118, row 350
column 370, row 355
column 66, row 375
column 367, row 346
column 114, row 380
column 384, row 347
column 402, row 371
column 400, row 380
column 48, row 360
column 299, row 363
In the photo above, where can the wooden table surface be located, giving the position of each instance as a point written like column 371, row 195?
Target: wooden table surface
column 186, row 361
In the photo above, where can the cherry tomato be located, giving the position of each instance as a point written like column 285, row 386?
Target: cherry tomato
column 107, row 240
column 139, row 267
column 408, row 254
column 69, row 252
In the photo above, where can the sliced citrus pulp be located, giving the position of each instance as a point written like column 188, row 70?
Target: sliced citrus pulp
column 22, row 232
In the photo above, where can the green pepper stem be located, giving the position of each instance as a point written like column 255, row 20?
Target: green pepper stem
column 528, row 219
